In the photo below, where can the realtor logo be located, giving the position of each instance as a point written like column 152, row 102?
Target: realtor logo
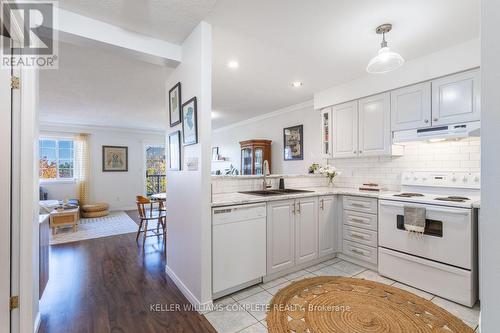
column 31, row 26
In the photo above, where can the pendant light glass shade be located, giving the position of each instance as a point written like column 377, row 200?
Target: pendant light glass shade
column 385, row 61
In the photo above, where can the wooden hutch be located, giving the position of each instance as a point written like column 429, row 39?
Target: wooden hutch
column 253, row 155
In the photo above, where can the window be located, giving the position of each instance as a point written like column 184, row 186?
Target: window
column 57, row 159
column 155, row 169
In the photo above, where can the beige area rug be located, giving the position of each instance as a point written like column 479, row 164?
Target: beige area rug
column 116, row 223
column 338, row 304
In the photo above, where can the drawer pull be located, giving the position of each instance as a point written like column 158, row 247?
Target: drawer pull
column 358, row 236
column 358, row 220
column 358, row 205
column 358, row 252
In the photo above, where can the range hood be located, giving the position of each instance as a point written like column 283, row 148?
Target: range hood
column 454, row 131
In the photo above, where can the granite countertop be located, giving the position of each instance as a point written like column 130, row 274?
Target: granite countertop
column 42, row 218
column 226, row 199
column 476, row 204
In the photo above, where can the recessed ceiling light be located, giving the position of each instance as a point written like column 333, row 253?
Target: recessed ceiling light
column 233, row 64
column 296, row 84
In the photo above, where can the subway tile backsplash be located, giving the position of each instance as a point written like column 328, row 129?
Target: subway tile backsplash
column 462, row 155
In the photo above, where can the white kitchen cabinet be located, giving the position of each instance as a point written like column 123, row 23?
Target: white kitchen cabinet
column 345, row 129
column 456, row 98
column 326, row 130
column 280, row 235
column 326, row 225
column 306, row 229
column 411, row 107
column 375, row 125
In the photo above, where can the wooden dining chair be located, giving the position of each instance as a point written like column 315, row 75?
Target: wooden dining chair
column 148, row 211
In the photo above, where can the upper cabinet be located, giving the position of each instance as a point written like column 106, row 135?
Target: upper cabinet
column 253, row 155
column 363, row 127
column 326, row 130
column 375, row 125
column 345, row 129
column 456, row 98
column 411, row 107
column 448, row 100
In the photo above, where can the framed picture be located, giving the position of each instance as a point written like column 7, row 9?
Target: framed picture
column 215, row 153
column 189, row 122
column 293, row 139
column 114, row 159
column 174, row 150
column 174, row 104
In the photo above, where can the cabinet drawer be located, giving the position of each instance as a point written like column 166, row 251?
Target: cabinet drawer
column 362, row 236
column 361, row 252
column 360, row 204
column 360, row 220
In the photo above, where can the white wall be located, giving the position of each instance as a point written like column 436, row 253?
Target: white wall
column 490, row 183
column 188, row 192
column 270, row 127
column 454, row 59
column 118, row 189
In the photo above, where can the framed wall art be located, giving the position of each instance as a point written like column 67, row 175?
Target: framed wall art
column 174, row 104
column 174, row 150
column 293, row 139
column 189, row 122
column 114, row 159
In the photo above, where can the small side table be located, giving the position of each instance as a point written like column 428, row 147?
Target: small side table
column 67, row 217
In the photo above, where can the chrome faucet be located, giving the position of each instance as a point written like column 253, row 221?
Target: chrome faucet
column 265, row 172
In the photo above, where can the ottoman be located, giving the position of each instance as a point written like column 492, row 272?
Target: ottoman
column 94, row 210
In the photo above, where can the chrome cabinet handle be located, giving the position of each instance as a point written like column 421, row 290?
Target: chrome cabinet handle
column 357, row 205
column 354, row 152
column 298, row 211
column 358, row 252
column 435, row 119
column 293, row 209
column 426, row 121
column 358, row 236
column 360, row 151
column 321, row 204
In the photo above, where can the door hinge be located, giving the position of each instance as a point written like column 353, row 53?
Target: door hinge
column 15, row 82
column 14, row 302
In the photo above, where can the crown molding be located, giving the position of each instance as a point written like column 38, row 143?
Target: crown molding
column 291, row 108
column 72, row 128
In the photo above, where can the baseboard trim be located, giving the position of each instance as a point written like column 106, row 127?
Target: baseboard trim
column 38, row 320
column 195, row 302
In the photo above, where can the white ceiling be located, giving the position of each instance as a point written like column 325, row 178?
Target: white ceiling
column 95, row 87
column 319, row 42
column 170, row 20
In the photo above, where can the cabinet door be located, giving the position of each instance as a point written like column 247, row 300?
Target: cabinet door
column 326, row 130
column 411, row 107
column 375, row 125
column 306, row 229
column 246, row 161
column 345, row 130
column 280, row 235
column 456, row 98
column 258, row 160
column 327, row 225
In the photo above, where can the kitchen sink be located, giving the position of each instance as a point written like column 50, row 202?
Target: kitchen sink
column 274, row 192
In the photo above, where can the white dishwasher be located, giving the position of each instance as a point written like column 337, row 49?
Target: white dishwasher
column 238, row 247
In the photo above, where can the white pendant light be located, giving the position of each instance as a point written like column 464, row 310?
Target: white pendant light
column 386, row 60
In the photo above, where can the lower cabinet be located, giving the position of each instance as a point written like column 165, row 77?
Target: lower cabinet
column 299, row 230
column 326, row 225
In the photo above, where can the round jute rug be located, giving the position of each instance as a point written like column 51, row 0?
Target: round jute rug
column 348, row 305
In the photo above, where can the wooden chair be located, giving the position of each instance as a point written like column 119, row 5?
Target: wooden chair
column 151, row 210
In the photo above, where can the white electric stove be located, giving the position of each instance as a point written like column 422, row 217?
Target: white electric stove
column 442, row 260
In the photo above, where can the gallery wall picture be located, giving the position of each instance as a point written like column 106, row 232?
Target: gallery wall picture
column 174, row 150
column 114, row 159
column 174, row 104
column 293, row 139
column 189, row 122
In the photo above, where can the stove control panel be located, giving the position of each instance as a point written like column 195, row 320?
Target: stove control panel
column 442, row 179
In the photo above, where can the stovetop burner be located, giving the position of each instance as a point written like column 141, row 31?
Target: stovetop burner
column 408, row 195
column 453, row 199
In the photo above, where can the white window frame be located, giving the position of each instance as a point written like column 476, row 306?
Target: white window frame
column 58, row 179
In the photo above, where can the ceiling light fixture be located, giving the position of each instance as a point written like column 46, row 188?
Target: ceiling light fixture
column 296, row 84
column 233, row 64
column 386, row 60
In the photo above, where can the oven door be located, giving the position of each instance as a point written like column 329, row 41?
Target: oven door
column 447, row 238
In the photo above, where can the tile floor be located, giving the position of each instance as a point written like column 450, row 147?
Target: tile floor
column 244, row 311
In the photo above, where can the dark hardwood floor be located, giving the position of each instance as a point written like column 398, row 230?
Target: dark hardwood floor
column 108, row 285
